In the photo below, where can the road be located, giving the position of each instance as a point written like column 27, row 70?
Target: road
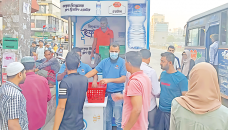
column 155, row 64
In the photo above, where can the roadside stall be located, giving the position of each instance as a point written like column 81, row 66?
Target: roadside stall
column 127, row 23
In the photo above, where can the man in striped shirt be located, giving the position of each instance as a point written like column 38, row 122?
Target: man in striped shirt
column 13, row 115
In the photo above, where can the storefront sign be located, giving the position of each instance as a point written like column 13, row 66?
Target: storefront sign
column 93, row 8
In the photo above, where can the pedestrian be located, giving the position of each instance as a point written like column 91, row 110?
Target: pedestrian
column 13, row 115
column 213, row 52
column 151, row 73
column 36, row 96
column 137, row 95
column 59, row 52
column 176, row 61
column 173, row 84
column 33, row 49
column 187, row 63
column 40, row 51
column 55, row 48
column 201, row 107
column 72, row 94
column 82, row 68
column 114, row 75
column 49, row 68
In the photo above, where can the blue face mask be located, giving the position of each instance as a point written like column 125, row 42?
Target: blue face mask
column 114, row 55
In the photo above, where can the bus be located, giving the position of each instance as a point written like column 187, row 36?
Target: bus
column 197, row 41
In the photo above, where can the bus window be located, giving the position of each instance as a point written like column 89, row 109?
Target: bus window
column 223, row 36
column 202, row 36
column 193, row 38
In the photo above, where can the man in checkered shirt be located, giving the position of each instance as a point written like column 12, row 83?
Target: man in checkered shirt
column 13, row 115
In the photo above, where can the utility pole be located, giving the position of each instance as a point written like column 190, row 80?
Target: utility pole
column 16, row 28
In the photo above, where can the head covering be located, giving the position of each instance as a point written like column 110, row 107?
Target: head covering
column 186, row 63
column 203, row 90
column 14, row 68
column 27, row 59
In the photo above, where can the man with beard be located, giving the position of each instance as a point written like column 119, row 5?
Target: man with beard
column 173, row 84
column 114, row 74
column 13, row 115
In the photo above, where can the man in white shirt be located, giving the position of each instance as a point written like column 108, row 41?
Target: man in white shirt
column 176, row 61
column 40, row 51
column 151, row 73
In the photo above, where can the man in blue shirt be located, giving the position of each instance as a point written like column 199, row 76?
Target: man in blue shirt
column 72, row 94
column 82, row 69
column 114, row 75
column 173, row 84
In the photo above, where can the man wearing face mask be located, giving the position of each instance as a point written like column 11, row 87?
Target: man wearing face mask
column 114, row 75
column 82, row 69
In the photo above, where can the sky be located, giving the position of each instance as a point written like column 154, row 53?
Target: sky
column 178, row 12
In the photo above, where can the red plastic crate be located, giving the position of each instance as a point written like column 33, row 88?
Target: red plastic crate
column 96, row 95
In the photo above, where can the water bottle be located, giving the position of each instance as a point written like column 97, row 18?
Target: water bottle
column 136, row 18
column 98, row 6
column 92, row 61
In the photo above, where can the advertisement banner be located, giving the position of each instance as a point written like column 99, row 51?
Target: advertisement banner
column 94, row 8
column 85, row 31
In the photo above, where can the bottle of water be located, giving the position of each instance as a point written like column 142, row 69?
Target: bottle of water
column 98, row 7
column 92, row 61
column 136, row 18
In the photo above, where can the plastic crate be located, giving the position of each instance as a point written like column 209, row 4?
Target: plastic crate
column 96, row 95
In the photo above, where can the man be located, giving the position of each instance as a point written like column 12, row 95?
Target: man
column 114, row 74
column 177, row 61
column 40, row 51
column 48, row 47
column 59, row 52
column 37, row 94
column 33, row 49
column 49, row 68
column 72, row 94
column 13, row 115
column 151, row 73
column 82, row 68
column 213, row 53
column 137, row 95
column 102, row 37
column 173, row 84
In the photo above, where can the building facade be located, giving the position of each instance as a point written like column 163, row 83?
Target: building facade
column 47, row 22
column 159, row 29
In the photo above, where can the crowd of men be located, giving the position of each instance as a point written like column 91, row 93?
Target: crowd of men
column 132, row 89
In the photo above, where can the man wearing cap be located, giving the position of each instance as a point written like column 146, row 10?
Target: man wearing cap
column 82, row 68
column 13, row 115
column 37, row 94
column 49, row 68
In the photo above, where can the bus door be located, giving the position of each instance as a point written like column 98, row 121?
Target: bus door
column 212, row 28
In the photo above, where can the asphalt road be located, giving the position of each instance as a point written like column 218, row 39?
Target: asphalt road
column 155, row 64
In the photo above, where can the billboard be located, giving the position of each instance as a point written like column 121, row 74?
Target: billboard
column 94, row 8
column 85, row 31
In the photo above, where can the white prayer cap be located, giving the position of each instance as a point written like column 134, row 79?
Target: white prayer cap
column 14, row 68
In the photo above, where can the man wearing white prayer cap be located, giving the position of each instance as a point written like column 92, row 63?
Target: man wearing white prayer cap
column 12, row 101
